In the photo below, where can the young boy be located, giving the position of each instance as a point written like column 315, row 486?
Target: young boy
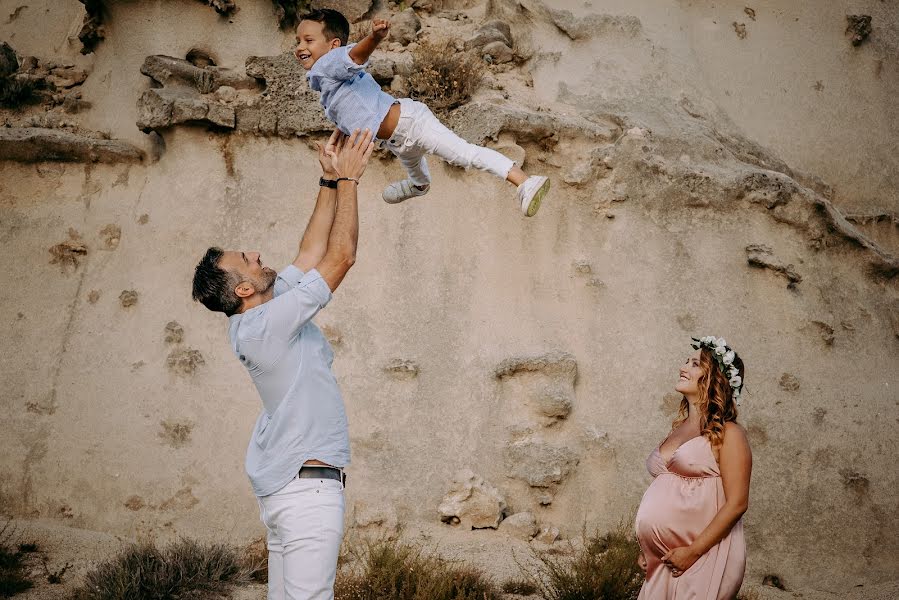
column 353, row 100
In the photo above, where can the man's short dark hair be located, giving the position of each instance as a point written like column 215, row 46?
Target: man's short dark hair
column 335, row 24
column 214, row 286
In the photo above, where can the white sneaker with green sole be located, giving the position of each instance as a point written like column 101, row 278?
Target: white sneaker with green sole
column 531, row 194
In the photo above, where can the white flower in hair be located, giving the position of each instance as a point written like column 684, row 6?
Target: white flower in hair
column 721, row 350
column 736, row 381
column 720, row 342
column 729, row 357
column 732, row 373
column 707, row 339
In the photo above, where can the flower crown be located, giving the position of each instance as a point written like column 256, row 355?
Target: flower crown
column 724, row 357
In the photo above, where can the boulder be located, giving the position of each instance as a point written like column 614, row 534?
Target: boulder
column 539, row 463
column 521, row 525
column 9, row 64
column 488, row 33
column 404, row 27
column 472, row 502
column 497, row 53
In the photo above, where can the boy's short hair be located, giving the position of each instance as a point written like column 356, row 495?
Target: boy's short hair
column 335, row 24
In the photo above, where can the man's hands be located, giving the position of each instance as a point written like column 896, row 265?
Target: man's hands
column 380, row 29
column 324, row 158
column 641, row 562
column 350, row 155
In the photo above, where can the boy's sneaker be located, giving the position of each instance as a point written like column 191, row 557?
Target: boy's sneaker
column 531, row 193
column 398, row 191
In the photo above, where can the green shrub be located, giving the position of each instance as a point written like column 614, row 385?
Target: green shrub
column 395, row 570
column 186, row 569
column 603, row 567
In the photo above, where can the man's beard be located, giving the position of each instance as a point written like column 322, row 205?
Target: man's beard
column 269, row 277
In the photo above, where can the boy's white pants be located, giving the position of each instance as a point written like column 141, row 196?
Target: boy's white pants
column 419, row 133
column 304, row 520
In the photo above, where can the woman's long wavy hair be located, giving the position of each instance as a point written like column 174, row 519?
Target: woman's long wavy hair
column 716, row 399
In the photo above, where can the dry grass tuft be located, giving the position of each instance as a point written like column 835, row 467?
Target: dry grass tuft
column 604, row 568
column 12, row 569
column 396, row 570
column 186, row 569
column 520, row 587
column 442, row 77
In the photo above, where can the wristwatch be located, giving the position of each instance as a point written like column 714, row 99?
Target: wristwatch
column 330, row 183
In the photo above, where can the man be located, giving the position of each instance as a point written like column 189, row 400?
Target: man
column 300, row 443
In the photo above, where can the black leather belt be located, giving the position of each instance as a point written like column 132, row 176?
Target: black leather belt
column 320, row 472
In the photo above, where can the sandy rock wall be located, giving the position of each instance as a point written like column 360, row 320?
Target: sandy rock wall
column 527, row 364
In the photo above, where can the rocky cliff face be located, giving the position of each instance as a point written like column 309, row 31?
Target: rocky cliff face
column 717, row 168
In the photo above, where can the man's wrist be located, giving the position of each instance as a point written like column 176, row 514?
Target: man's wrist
column 328, row 180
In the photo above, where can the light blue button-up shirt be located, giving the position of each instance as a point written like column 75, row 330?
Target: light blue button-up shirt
column 289, row 359
column 352, row 99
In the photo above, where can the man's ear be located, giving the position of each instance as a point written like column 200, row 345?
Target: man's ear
column 244, row 289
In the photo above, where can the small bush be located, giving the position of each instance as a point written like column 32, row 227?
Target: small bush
column 12, row 570
column 15, row 92
column 521, row 587
column 394, row 570
column 186, row 569
column 442, row 77
column 603, row 568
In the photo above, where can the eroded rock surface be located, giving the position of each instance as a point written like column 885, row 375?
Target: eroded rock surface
column 472, row 503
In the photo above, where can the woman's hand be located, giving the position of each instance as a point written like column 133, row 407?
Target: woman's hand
column 325, row 153
column 679, row 560
column 641, row 562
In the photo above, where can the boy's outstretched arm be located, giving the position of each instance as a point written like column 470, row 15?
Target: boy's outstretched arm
column 380, row 29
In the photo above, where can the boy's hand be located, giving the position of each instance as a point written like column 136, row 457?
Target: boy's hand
column 351, row 157
column 380, row 29
column 332, row 146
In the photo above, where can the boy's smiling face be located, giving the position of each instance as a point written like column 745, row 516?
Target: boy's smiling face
column 312, row 43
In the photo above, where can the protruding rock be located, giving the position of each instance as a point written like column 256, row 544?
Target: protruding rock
column 69, row 252
column 402, row 368
column 404, row 27
column 578, row 28
column 112, row 235
column 128, row 298
column 789, row 382
column 185, row 361
column 174, row 332
column 171, row 71
column 546, row 382
column 9, row 64
column 521, row 525
column 550, row 363
column 490, row 32
column 497, row 53
column 547, row 535
column 858, row 27
column 35, row 144
column 538, row 462
column 761, row 256
column 472, row 502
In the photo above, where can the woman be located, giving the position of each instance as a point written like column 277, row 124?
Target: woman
column 689, row 522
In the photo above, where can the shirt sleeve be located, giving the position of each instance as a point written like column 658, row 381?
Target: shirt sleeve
column 289, row 277
column 286, row 313
column 335, row 65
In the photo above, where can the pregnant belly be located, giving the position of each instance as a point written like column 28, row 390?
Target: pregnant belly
column 674, row 511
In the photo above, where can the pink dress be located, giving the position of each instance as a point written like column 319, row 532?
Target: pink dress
column 683, row 498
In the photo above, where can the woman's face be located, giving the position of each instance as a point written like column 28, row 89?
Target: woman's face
column 690, row 372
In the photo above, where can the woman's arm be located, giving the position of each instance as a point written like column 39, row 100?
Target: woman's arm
column 735, row 463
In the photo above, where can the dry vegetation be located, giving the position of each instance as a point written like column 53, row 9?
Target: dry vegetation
column 186, row 569
column 396, row 570
column 604, row 567
column 442, row 77
column 12, row 569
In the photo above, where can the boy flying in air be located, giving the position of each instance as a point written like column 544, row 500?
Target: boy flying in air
column 352, row 99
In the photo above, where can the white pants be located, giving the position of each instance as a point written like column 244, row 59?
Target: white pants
column 304, row 520
column 419, row 133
